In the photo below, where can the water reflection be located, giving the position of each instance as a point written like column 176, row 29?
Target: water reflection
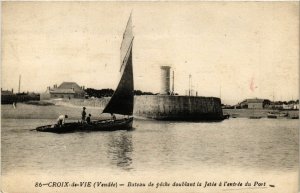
column 120, row 149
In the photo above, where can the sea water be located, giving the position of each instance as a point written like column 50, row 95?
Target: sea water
column 243, row 145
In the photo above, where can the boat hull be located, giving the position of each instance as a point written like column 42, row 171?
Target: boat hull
column 107, row 125
column 276, row 115
column 272, row 116
column 254, row 117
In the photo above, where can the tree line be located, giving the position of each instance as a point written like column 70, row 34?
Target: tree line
column 107, row 92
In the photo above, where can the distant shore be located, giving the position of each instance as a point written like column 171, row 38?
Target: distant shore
column 263, row 113
column 51, row 109
column 91, row 102
column 37, row 111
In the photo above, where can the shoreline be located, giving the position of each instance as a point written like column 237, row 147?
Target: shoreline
column 33, row 111
column 37, row 111
column 262, row 113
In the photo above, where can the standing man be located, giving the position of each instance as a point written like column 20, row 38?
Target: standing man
column 83, row 115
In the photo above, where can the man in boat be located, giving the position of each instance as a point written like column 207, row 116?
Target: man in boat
column 61, row 119
column 113, row 117
column 14, row 105
column 83, row 115
column 88, row 119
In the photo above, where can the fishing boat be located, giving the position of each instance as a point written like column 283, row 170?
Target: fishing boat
column 104, row 125
column 271, row 115
column 226, row 116
column 121, row 102
column 255, row 117
column 275, row 115
column 234, row 115
column 294, row 117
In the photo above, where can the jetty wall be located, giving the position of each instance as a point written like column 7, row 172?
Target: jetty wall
column 92, row 102
column 166, row 107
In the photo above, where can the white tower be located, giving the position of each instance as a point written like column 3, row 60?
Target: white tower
column 165, row 80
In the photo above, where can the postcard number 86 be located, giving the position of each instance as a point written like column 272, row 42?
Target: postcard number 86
column 38, row 184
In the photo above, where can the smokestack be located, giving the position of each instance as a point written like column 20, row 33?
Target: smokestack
column 173, row 83
column 12, row 90
column 165, row 80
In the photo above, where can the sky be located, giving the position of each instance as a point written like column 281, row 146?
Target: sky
column 232, row 50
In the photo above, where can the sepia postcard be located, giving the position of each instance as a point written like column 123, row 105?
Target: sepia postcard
column 149, row 96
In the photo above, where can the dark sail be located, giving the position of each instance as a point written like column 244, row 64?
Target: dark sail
column 122, row 100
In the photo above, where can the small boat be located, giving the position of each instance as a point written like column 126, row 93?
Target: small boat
column 226, row 116
column 275, row 115
column 271, row 116
column 120, row 103
column 254, row 117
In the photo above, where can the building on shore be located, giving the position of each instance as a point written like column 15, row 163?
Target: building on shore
column 254, row 103
column 8, row 97
column 285, row 105
column 7, row 92
column 65, row 90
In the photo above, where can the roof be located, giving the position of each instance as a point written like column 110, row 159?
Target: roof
column 62, row 91
column 255, row 100
column 70, row 85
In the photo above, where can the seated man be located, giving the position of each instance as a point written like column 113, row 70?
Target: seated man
column 88, row 119
column 61, row 119
column 113, row 117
